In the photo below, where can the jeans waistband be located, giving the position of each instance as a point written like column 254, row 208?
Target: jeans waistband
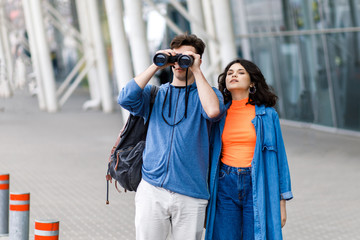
column 238, row 170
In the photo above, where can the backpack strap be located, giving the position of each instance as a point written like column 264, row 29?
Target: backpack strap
column 153, row 92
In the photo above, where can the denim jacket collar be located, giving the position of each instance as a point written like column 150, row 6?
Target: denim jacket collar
column 259, row 110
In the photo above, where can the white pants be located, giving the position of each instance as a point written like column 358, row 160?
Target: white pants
column 159, row 210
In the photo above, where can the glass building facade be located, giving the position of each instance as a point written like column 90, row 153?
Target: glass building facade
column 309, row 52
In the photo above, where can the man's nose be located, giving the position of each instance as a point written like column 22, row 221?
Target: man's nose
column 176, row 65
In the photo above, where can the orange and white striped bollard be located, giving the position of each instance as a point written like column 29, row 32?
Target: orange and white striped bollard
column 46, row 230
column 19, row 216
column 4, row 204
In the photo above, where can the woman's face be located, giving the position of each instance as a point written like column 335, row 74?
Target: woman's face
column 237, row 78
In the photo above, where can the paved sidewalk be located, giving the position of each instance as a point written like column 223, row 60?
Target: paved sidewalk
column 61, row 160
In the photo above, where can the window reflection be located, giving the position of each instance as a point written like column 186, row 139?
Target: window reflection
column 314, row 68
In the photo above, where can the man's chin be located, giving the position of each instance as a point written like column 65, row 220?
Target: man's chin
column 180, row 76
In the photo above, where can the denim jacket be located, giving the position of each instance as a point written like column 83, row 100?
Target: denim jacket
column 270, row 174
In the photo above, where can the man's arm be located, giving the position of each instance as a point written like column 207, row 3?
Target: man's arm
column 143, row 78
column 208, row 98
column 133, row 97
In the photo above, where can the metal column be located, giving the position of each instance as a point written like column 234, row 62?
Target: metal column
column 5, row 56
column 224, row 30
column 120, row 47
column 43, row 52
column 213, row 49
column 195, row 11
column 88, row 47
column 195, row 15
column 137, row 34
column 328, row 70
column 197, row 27
column 5, row 90
column 34, row 57
column 100, row 54
column 245, row 42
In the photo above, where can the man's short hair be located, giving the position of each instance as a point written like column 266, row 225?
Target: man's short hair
column 188, row 40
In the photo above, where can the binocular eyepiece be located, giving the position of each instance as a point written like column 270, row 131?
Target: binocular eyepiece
column 184, row 61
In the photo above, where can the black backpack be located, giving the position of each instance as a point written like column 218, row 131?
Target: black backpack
column 126, row 156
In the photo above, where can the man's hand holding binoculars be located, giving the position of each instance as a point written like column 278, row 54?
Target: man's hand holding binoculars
column 169, row 57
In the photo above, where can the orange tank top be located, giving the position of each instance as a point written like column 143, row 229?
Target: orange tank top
column 239, row 136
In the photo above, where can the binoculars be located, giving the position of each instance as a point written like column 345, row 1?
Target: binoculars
column 184, row 61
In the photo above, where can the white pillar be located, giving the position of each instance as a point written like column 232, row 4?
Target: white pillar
column 88, row 47
column 34, row 57
column 100, row 55
column 5, row 90
column 137, row 34
column 212, row 46
column 43, row 53
column 224, row 30
column 2, row 52
column 5, row 55
column 245, row 42
column 195, row 9
column 120, row 47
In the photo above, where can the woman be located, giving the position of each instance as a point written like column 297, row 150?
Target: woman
column 249, row 177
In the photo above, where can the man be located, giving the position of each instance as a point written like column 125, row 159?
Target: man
column 173, row 192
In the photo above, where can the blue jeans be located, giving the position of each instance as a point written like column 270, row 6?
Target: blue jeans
column 234, row 217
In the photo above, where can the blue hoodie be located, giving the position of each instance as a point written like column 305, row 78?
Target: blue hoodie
column 176, row 156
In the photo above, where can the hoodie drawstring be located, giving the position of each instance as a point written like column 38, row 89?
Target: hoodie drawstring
column 187, row 92
column 169, row 115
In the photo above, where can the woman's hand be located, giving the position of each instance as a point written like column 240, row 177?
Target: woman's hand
column 283, row 212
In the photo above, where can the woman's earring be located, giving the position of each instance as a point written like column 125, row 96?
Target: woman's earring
column 252, row 90
column 226, row 92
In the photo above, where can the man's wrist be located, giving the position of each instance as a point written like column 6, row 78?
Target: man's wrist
column 154, row 67
column 196, row 71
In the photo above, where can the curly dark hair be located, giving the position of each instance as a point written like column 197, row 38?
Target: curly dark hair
column 263, row 94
